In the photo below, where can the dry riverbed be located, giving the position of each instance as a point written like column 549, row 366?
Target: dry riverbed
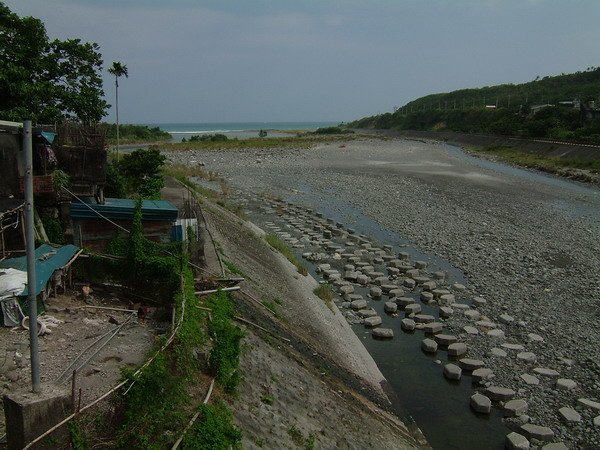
column 527, row 244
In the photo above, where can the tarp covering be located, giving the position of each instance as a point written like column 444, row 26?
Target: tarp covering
column 48, row 259
column 12, row 282
column 123, row 208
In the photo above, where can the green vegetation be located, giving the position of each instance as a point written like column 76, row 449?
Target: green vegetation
column 225, row 353
column 54, row 230
column 47, row 80
column 137, row 174
column 332, row 130
column 215, row 431
column 534, row 161
column 282, row 248
column 504, row 109
column 299, row 439
column 234, row 269
column 271, row 306
column 217, row 137
column 267, row 399
column 324, row 292
column 135, row 133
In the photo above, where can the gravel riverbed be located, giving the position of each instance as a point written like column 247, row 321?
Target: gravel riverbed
column 528, row 244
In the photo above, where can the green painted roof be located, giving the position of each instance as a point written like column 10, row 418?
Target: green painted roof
column 47, row 260
column 122, row 209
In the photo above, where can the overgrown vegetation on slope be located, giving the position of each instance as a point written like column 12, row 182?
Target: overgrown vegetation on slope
column 286, row 251
column 506, row 109
column 130, row 133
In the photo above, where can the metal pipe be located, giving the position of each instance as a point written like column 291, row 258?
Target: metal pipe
column 30, row 247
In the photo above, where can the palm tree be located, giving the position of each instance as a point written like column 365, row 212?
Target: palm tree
column 118, row 70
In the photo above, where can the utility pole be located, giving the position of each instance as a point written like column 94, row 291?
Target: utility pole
column 30, row 249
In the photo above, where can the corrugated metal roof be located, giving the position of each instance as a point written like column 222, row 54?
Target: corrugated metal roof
column 122, row 209
column 47, row 260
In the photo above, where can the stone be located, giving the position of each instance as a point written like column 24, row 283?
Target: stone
column 516, row 441
column 565, row 384
column 429, row 286
column 445, row 312
column 375, row 292
column 445, row 339
column 459, row 287
column 423, row 318
column 452, row 372
column 403, row 302
column 348, row 289
column 478, row 301
column 409, row 283
column 432, row 327
column 481, row 404
column 461, row 306
column 426, row 297
column 395, row 293
column 537, row 432
column 437, row 293
column 535, row 337
column 530, row 379
column 550, row 373
column 362, row 279
column 388, row 287
column 485, row 324
column 420, row 264
column 407, row 324
column 496, row 333
column 498, row 393
column 457, row 349
column 429, row 345
column 516, row 407
column 506, row 319
column 481, row 374
column 383, row 333
column 569, row 415
column 472, row 315
column 470, row 330
column 597, row 421
column 390, row 307
column 413, row 273
column 587, row 403
column 470, row 364
column 413, row 308
column 372, row 321
column 447, row 299
column 555, row 446
column 358, row 304
column 364, row 313
column 528, row 357
column 509, row 346
column 497, row 352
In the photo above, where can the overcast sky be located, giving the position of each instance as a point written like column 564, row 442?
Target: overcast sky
column 309, row 60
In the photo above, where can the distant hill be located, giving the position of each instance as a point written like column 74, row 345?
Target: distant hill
column 558, row 107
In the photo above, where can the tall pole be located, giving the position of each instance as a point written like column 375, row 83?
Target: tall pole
column 117, row 101
column 30, row 249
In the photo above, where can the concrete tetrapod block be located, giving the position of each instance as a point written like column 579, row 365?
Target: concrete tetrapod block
column 481, row 404
column 481, row 374
column 383, row 333
column 555, row 446
column 429, row 345
column 516, row 441
column 403, row 302
column 390, row 307
column 452, row 372
column 445, row 312
column 472, row 314
column 498, row 393
column 509, row 346
column 423, row 318
column 413, row 308
column 407, row 324
column 537, row 432
column 358, row 304
column 565, row 384
column 544, row 372
column 445, row 339
column 457, row 349
column 364, row 313
column 528, row 357
column 372, row 321
column 478, row 301
column 432, row 327
column 587, row 403
column 530, row 379
column 375, row 292
column 28, row 415
column 569, row 415
column 515, row 407
column 426, row 297
column 470, row 364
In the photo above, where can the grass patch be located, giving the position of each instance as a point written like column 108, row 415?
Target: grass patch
column 234, row 269
column 286, row 251
column 298, row 438
column 267, row 399
column 324, row 292
column 215, row 431
column 271, row 306
column 546, row 163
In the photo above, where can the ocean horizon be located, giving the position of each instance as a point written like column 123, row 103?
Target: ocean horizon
column 236, row 129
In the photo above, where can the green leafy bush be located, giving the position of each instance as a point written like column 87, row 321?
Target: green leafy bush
column 214, row 431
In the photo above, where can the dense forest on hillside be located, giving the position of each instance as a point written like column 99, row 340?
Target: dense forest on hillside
column 558, row 107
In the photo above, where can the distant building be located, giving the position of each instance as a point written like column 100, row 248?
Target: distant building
column 535, row 108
